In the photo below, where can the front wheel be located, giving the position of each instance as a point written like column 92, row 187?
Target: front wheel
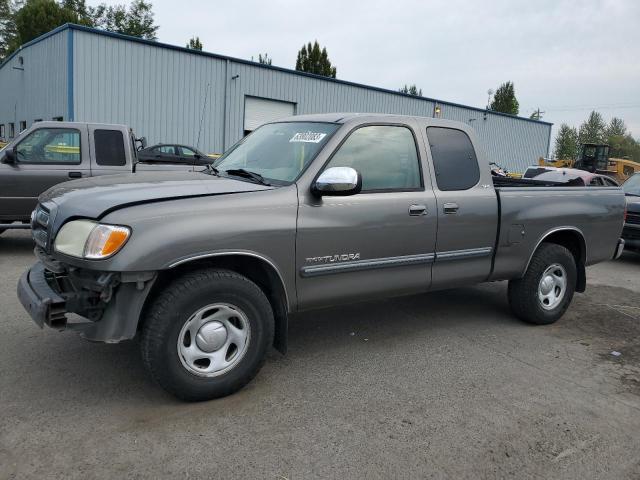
column 545, row 292
column 207, row 334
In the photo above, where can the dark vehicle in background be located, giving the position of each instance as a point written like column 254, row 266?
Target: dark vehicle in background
column 49, row 153
column 170, row 153
column 631, row 231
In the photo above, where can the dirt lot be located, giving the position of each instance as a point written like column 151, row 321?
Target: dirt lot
column 444, row 385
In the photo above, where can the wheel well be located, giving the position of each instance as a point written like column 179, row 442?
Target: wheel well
column 258, row 271
column 573, row 241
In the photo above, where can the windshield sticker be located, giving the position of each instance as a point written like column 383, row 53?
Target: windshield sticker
column 308, row 137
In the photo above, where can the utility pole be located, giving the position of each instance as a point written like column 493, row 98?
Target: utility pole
column 537, row 114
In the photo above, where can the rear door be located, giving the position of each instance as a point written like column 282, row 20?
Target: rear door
column 467, row 209
column 378, row 242
column 46, row 156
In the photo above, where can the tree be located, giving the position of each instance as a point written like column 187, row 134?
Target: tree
column 411, row 90
column 593, row 130
column 616, row 127
column 136, row 20
column 263, row 60
column 195, row 43
column 505, row 100
column 8, row 29
column 313, row 60
column 37, row 17
column 566, row 143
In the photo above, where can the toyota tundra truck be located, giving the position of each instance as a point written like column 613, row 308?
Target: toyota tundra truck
column 311, row 211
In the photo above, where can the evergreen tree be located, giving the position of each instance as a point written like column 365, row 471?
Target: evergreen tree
column 263, row 60
column 505, row 100
column 195, row 43
column 616, row 127
column 411, row 90
column 566, row 146
column 8, row 30
column 593, row 130
column 313, row 60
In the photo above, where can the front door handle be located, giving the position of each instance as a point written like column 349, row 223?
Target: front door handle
column 450, row 208
column 417, row 210
column 75, row 174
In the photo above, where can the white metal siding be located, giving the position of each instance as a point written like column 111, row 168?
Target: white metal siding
column 258, row 111
column 40, row 90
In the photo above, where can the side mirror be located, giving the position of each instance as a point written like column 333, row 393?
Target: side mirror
column 10, row 156
column 338, row 181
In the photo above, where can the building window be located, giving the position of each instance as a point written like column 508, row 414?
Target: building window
column 57, row 119
column 12, row 130
column 23, row 125
column 1, row 130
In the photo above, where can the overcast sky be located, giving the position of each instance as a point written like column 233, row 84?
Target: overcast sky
column 565, row 57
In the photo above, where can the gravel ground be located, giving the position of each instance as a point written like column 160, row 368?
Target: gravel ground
column 442, row 385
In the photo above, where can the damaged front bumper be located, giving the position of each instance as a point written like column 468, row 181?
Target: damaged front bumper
column 110, row 304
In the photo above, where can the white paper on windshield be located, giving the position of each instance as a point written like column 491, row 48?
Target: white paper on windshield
column 308, row 137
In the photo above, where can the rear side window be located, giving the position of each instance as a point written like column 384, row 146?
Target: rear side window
column 385, row 156
column 454, row 159
column 109, row 145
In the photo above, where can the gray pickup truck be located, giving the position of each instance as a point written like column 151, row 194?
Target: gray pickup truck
column 48, row 153
column 303, row 213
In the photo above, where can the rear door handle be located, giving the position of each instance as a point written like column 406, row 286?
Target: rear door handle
column 75, row 174
column 417, row 210
column 450, row 208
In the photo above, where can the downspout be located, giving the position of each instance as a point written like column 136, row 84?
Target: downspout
column 225, row 118
column 70, row 109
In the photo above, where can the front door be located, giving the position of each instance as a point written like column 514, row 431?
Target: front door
column 44, row 157
column 378, row 242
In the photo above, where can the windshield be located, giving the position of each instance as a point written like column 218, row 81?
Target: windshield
column 632, row 185
column 279, row 152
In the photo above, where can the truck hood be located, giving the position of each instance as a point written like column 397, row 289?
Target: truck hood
column 95, row 196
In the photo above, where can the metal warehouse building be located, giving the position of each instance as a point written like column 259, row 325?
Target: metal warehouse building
column 172, row 94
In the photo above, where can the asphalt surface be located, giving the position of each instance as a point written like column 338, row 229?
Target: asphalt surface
column 442, row 385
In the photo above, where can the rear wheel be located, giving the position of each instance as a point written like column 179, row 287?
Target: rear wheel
column 545, row 292
column 206, row 335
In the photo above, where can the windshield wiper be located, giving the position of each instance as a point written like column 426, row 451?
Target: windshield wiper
column 632, row 194
column 241, row 172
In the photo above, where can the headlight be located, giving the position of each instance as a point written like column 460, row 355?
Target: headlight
column 89, row 239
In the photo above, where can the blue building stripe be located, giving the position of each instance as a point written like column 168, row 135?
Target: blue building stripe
column 70, row 112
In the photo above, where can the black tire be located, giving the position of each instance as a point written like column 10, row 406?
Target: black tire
column 523, row 293
column 172, row 308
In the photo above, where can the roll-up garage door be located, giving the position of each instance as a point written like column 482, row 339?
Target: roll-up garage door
column 261, row 110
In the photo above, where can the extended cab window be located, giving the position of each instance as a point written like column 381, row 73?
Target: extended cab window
column 50, row 145
column 454, row 159
column 385, row 156
column 109, row 146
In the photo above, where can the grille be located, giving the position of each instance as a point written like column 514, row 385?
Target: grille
column 39, row 227
column 633, row 218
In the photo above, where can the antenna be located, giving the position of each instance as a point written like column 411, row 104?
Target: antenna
column 489, row 93
column 204, row 105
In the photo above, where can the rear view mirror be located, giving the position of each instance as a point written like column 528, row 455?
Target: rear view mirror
column 338, row 181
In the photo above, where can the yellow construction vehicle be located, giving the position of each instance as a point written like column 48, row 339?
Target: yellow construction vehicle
column 594, row 157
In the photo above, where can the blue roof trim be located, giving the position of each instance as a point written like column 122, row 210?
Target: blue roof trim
column 120, row 36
